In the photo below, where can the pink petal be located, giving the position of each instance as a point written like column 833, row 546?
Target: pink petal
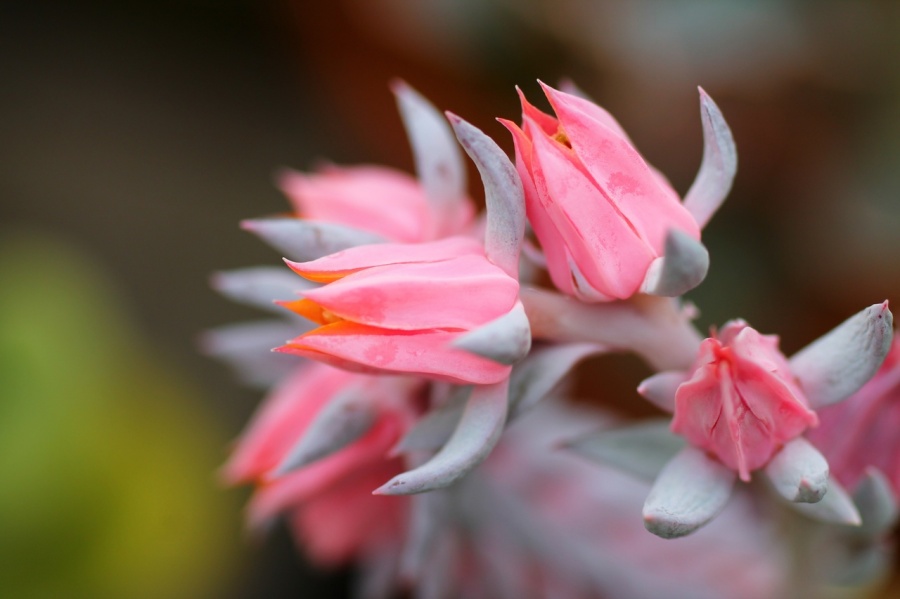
column 422, row 296
column 543, row 121
column 378, row 199
column 618, row 169
column 416, row 352
column 552, row 242
column 353, row 259
column 281, row 420
column 609, row 254
column 282, row 493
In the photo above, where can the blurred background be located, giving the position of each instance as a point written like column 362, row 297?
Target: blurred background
column 136, row 134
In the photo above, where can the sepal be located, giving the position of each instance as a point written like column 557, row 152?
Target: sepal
column 836, row 507
column 690, row 491
column 504, row 196
column 683, row 267
column 718, row 166
column 342, row 421
column 836, row 365
column 505, row 340
column 303, row 240
column 476, row 434
column 799, row 472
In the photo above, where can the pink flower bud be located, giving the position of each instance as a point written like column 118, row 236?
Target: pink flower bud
column 600, row 212
column 741, row 402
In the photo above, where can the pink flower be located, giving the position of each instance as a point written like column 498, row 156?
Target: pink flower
column 399, row 308
column 378, row 199
column 743, row 406
column 328, row 497
column 862, row 431
column 602, row 215
column 741, row 402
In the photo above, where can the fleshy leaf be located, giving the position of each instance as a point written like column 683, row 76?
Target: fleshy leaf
column 835, row 508
column 837, row 364
column 342, row 421
column 434, row 429
column 542, row 370
column 504, row 196
column 660, row 389
column 476, row 434
column 683, row 267
column 876, row 502
column 439, row 163
column 641, row 449
column 247, row 348
column 304, row 240
column 718, row 166
column 505, row 340
column 799, row 472
column 259, row 286
column 689, row 492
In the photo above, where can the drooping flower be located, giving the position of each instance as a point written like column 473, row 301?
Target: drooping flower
column 743, row 406
column 609, row 224
column 399, row 308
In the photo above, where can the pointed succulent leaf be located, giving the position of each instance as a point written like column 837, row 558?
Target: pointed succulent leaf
column 434, row 429
column 505, row 340
column 504, row 196
column 342, row 421
column 247, row 348
column 876, row 502
column 799, row 472
column 683, row 267
column 837, row 364
column 476, row 434
column 660, row 388
column 641, row 449
column 836, row 507
column 689, row 492
column 718, row 166
column 303, row 240
column 259, row 286
column 542, row 370
column 439, row 162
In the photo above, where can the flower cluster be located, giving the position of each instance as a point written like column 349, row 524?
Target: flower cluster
column 404, row 433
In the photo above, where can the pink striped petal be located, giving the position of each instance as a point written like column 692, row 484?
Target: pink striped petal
column 281, row 420
column 428, row 353
column 552, row 243
column 353, row 259
column 610, row 255
column 280, row 494
column 462, row 293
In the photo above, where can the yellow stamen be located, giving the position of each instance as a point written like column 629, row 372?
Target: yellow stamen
column 562, row 138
